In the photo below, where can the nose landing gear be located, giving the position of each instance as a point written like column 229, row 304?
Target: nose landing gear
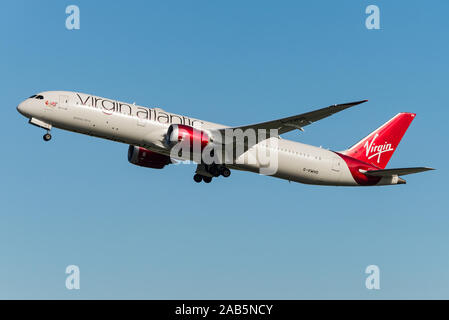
column 43, row 125
column 47, row 136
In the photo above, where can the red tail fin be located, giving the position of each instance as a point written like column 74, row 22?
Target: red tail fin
column 378, row 147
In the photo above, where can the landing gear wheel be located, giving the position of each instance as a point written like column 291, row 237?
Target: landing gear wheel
column 47, row 137
column 207, row 179
column 198, row 178
column 214, row 171
column 225, row 172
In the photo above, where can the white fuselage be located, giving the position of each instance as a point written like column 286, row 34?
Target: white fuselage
column 146, row 127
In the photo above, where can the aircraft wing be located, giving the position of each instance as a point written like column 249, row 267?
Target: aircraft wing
column 299, row 121
column 392, row 172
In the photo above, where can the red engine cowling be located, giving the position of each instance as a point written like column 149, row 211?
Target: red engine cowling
column 194, row 137
column 147, row 158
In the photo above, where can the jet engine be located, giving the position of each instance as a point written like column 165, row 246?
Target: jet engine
column 196, row 139
column 147, row 158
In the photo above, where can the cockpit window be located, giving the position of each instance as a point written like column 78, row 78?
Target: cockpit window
column 35, row 96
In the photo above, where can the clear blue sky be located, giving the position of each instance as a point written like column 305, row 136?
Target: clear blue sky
column 142, row 233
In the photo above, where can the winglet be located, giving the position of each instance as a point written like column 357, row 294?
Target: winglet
column 359, row 102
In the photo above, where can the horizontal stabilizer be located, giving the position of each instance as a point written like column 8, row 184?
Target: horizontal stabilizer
column 392, row 172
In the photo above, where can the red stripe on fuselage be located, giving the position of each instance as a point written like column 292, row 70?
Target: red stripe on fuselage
column 355, row 166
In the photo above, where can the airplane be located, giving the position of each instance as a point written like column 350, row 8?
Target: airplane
column 153, row 134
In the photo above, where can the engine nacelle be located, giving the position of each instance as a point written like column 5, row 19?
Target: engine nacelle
column 196, row 139
column 147, row 158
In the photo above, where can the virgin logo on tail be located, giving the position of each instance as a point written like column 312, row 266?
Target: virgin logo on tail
column 373, row 150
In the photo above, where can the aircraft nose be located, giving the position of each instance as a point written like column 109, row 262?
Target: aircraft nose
column 21, row 108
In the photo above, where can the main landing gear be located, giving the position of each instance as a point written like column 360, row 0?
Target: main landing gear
column 198, row 178
column 207, row 172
